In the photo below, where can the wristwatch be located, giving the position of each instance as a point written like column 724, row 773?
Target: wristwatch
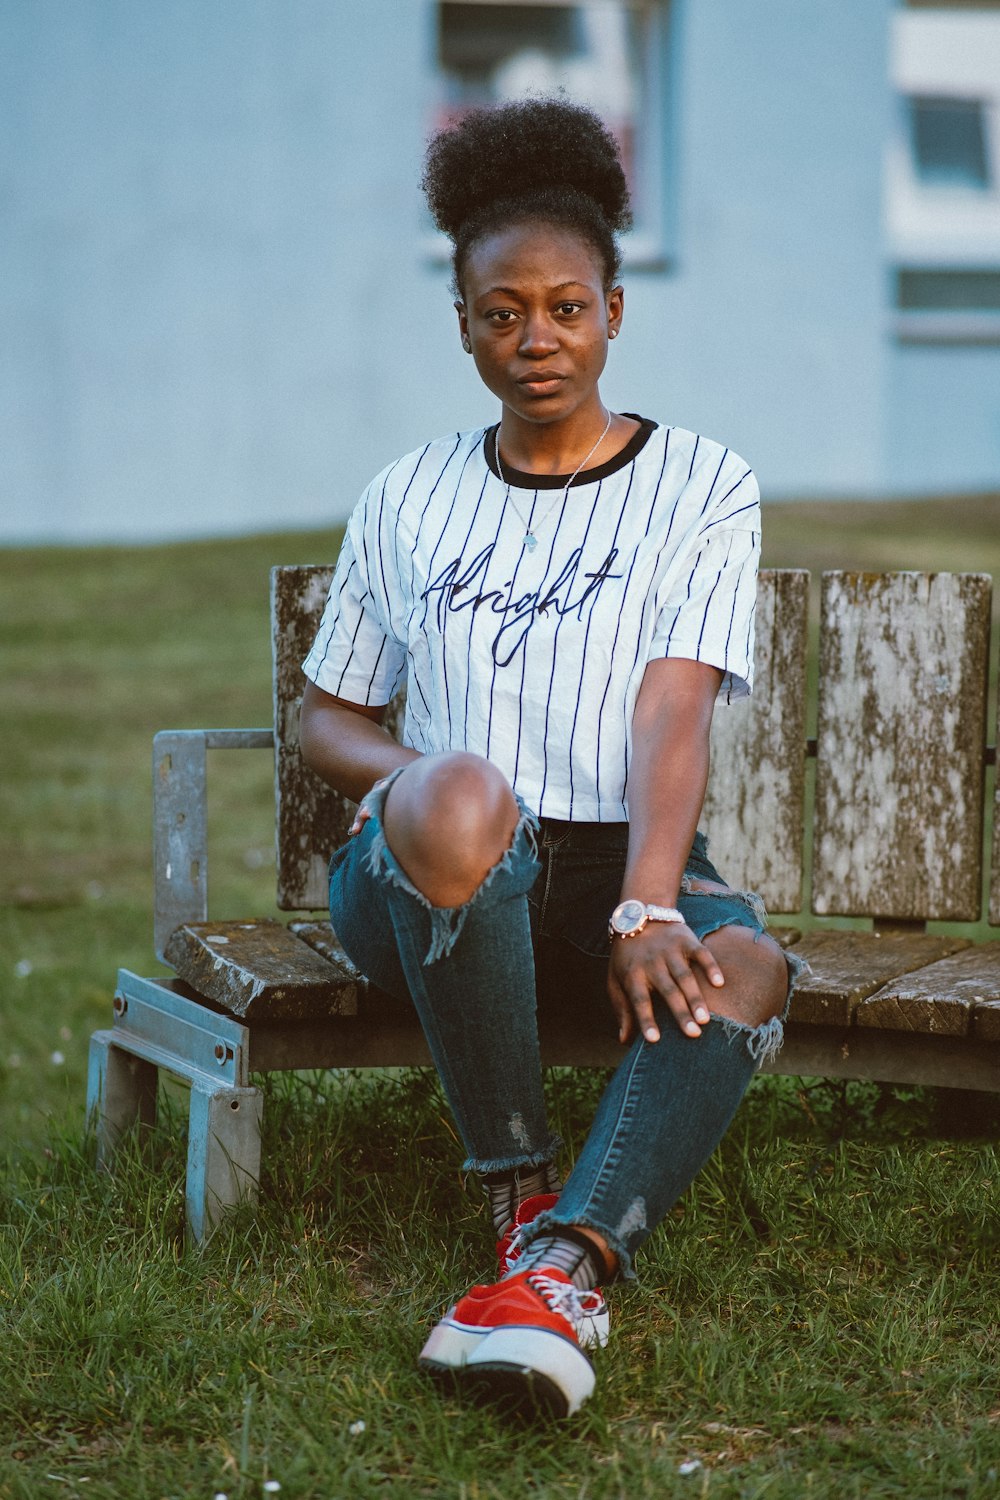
column 628, row 919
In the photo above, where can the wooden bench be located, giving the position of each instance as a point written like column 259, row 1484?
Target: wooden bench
column 890, row 828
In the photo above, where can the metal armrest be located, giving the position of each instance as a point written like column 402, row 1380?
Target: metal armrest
column 180, row 842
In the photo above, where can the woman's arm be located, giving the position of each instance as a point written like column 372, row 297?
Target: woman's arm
column 345, row 744
column 667, row 776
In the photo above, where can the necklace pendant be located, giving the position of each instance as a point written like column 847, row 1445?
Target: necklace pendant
column 529, row 541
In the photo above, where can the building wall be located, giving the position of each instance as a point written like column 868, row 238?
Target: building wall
column 220, row 309
column 200, row 203
column 942, row 429
column 767, row 333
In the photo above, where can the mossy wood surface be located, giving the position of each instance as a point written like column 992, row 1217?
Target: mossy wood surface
column 261, row 971
column 901, row 744
column 846, row 967
column 754, row 805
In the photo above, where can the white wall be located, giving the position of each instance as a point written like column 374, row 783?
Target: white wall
column 217, row 308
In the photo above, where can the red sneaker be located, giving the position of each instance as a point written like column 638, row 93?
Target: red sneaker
column 596, row 1325
column 519, row 1340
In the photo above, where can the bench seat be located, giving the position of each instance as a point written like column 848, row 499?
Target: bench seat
column 879, row 813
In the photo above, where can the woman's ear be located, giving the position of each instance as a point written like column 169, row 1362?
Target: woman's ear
column 616, row 310
column 463, row 327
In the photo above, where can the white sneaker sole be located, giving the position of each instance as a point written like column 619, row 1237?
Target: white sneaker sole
column 521, row 1366
column 531, row 1366
column 595, row 1328
column 450, row 1343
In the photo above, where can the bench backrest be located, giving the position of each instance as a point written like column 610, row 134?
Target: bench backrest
column 903, row 675
column 897, row 828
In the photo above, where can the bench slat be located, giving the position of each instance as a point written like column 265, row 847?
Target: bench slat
column 942, row 998
column 994, row 909
column 986, row 1021
column 261, row 971
column 321, row 937
column 847, row 967
column 902, row 713
column 311, row 820
column 754, row 804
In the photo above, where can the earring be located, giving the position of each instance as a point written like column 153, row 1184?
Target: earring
column 467, row 346
column 612, row 333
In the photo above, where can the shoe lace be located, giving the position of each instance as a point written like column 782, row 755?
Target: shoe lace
column 514, row 1248
column 564, row 1298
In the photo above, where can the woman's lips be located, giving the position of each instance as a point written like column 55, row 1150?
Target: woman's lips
column 541, row 385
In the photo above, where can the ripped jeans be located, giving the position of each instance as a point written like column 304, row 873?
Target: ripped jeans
column 486, row 978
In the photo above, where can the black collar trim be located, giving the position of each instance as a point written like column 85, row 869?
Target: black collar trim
column 521, row 480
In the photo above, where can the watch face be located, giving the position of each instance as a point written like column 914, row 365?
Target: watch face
column 629, row 916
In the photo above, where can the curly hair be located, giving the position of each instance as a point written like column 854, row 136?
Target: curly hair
column 529, row 159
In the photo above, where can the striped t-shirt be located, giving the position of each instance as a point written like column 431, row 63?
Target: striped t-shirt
column 533, row 656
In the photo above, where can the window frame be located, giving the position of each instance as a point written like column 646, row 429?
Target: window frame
column 978, row 108
column 939, row 225
column 651, row 244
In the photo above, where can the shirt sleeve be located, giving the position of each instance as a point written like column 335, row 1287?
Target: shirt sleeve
column 708, row 613
column 356, row 654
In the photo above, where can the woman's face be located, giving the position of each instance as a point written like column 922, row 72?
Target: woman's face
column 538, row 318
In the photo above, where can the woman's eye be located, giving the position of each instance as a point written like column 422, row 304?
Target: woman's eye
column 567, row 308
column 502, row 315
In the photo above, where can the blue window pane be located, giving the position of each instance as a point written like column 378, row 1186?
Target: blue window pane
column 949, row 144
column 951, row 291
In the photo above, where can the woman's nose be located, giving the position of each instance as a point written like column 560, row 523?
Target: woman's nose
column 538, row 338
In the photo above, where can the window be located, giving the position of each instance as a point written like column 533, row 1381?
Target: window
column 604, row 53
column 954, row 290
column 942, row 176
column 948, row 141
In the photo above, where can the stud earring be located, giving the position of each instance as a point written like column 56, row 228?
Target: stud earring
column 467, row 346
column 612, row 333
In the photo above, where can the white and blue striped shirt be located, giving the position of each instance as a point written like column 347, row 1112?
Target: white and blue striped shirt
column 534, row 657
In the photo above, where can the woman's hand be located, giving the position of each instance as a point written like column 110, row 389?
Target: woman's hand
column 364, row 812
column 663, row 959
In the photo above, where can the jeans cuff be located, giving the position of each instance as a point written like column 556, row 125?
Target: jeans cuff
column 483, row 1165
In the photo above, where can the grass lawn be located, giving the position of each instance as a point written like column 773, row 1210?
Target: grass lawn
column 819, row 1318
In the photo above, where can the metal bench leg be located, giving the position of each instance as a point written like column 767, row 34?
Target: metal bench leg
column 223, row 1165
column 121, row 1089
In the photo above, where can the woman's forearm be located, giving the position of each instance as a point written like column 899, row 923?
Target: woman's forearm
column 346, row 745
column 668, row 773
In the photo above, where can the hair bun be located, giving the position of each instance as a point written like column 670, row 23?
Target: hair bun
column 518, row 149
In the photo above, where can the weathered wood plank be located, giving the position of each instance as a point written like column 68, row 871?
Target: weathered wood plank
column 940, row 999
column 321, row 937
column 890, row 1057
column 986, row 1021
column 994, row 910
column 754, row 804
column 260, row 971
column 311, row 820
column 847, row 967
column 386, row 1037
column 902, row 712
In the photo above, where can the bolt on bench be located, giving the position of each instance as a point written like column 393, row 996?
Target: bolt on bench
column 894, row 832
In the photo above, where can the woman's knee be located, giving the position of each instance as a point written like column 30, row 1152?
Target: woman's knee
column 756, row 975
column 448, row 819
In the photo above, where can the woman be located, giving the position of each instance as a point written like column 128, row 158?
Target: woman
column 566, row 594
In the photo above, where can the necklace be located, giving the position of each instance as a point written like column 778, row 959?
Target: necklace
column 530, row 540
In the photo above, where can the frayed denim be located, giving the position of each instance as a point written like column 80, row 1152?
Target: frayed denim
column 540, row 916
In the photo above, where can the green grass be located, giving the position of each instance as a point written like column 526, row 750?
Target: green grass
column 818, row 1319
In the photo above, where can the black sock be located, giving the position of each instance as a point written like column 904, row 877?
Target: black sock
column 506, row 1191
